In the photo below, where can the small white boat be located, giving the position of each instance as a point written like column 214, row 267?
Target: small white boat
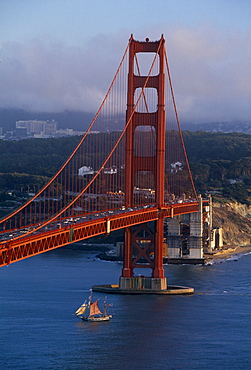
column 93, row 310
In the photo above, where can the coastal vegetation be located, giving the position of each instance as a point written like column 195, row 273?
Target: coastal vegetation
column 220, row 163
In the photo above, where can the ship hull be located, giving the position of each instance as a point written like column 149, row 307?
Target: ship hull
column 96, row 319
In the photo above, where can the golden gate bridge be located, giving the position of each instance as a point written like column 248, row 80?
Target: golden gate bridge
column 129, row 169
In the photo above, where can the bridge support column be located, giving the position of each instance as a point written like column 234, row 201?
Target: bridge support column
column 158, row 271
column 174, row 238
column 126, row 271
column 196, row 232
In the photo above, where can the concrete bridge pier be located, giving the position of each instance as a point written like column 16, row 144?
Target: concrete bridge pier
column 173, row 238
column 196, row 232
column 141, row 282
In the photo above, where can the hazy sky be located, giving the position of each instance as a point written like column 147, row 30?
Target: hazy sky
column 62, row 54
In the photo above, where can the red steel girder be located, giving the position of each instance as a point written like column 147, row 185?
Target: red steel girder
column 143, row 251
column 17, row 250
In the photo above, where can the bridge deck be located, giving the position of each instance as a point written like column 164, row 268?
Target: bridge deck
column 24, row 247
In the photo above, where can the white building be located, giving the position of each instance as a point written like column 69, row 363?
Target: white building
column 176, row 167
column 85, row 170
column 110, row 171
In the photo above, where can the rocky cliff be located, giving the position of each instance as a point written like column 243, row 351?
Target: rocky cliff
column 235, row 219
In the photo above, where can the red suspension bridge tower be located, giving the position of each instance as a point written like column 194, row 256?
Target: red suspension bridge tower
column 154, row 164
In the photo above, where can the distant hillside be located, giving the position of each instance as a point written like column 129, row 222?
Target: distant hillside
column 220, row 162
column 80, row 121
column 236, row 126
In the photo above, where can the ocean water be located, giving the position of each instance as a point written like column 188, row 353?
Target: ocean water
column 210, row 329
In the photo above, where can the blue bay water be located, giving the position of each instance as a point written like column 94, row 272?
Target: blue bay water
column 210, row 329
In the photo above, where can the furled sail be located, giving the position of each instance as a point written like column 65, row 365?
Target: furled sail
column 94, row 309
column 81, row 310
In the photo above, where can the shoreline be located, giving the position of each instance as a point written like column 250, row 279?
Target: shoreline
column 223, row 254
column 229, row 251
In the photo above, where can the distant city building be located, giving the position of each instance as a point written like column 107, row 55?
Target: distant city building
column 68, row 132
column 38, row 128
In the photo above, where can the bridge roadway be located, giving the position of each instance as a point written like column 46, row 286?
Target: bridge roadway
column 28, row 246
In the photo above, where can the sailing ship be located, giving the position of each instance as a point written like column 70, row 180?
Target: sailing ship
column 93, row 311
